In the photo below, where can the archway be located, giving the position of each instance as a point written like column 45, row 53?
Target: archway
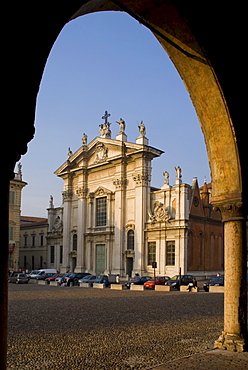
column 198, row 51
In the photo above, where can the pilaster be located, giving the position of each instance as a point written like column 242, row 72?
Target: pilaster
column 67, row 199
column 81, row 193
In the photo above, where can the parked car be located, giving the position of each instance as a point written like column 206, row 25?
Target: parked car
column 175, row 281
column 216, row 281
column 108, row 279
column 52, row 278
column 102, row 279
column 32, row 274
column 18, row 278
column 45, row 276
column 90, row 279
column 138, row 281
column 43, row 272
column 160, row 280
column 59, row 278
column 73, row 278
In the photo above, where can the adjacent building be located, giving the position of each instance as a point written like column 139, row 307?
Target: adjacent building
column 33, row 243
column 112, row 220
column 15, row 192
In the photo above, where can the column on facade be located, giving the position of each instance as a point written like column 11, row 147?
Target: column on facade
column 120, row 216
column 181, row 216
column 234, row 336
column 67, row 199
column 82, row 203
column 142, row 204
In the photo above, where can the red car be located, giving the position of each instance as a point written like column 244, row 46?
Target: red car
column 52, row 278
column 160, row 280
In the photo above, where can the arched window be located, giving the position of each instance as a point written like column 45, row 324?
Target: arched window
column 130, row 239
column 74, row 242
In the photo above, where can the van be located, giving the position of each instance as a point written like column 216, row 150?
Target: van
column 46, row 271
column 42, row 272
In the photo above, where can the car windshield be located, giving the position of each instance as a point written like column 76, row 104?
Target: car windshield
column 72, row 275
column 22, row 275
column 176, row 277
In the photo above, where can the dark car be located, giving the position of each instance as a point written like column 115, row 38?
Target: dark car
column 138, row 281
column 102, row 279
column 175, row 282
column 89, row 279
column 217, row 281
column 108, row 279
column 45, row 276
column 72, row 279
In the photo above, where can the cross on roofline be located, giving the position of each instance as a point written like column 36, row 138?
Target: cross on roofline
column 106, row 115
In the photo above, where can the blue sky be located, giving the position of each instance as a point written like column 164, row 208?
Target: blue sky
column 108, row 61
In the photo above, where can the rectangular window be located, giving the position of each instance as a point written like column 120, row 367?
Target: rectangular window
column 170, row 253
column 101, row 211
column 33, row 240
column 11, row 233
column 41, row 240
column 11, row 197
column 25, row 240
column 52, row 254
column 151, row 252
column 61, row 254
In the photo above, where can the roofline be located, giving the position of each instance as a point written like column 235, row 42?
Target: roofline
column 139, row 148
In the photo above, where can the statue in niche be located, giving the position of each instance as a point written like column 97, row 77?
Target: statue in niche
column 142, row 128
column 122, row 125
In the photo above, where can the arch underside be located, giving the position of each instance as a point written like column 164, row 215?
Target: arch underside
column 201, row 82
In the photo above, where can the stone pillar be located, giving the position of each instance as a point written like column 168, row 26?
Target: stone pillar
column 142, row 203
column 234, row 336
column 67, row 197
column 117, row 265
column 81, row 192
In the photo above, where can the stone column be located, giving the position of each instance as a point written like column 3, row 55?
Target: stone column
column 67, row 198
column 142, row 203
column 234, row 336
column 117, row 265
column 81, row 192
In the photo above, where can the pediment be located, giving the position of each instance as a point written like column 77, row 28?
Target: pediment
column 101, row 191
column 100, row 151
column 196, row 207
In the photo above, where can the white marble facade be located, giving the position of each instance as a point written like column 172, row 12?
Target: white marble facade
column 111, row 219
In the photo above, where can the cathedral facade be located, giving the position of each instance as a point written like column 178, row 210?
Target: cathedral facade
column 112, row 220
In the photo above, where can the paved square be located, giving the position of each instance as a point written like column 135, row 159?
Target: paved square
column 80, row 328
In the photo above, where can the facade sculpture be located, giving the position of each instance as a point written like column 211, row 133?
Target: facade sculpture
column 142, row 129
column 122, row 125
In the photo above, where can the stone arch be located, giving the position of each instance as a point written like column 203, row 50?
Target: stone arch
column 197, row 37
